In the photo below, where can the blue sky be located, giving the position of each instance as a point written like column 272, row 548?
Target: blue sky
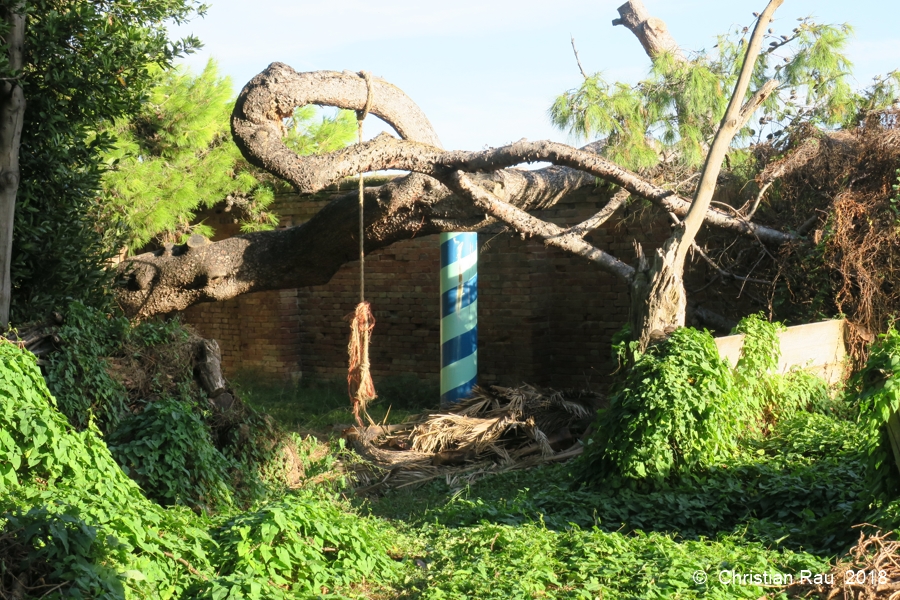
column 485, row 72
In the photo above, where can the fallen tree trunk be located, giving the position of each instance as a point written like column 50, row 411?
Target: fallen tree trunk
column 39, row 338
column 437, row 196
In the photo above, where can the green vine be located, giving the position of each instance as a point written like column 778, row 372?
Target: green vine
column 681, row 407
column 878, row 394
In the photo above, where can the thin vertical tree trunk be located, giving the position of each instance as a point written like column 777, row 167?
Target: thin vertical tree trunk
column 658, row 298
column 12, row 111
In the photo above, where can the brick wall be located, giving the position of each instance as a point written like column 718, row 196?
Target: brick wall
column 545, row 317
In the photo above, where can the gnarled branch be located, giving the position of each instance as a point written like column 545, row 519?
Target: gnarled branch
column 446, row 191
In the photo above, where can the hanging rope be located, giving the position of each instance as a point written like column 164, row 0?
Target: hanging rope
column 359, row 380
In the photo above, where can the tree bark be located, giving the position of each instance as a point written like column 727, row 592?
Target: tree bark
column 651, row 32
column 177, row 277
column 12, row 111
column 446, row 191
column 659, row 306
column 208, row 362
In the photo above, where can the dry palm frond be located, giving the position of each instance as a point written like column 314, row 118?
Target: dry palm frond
column 495, row 430
column 869, row 571
column 443, row 432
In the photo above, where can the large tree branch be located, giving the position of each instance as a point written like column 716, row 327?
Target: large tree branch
column 553, row 235
column 589, row 162
column 735, row 116
column 257, row 129
column 177, row 277
column 311, row 174
column 598, row 219
column 483, row 190
column 273, row 95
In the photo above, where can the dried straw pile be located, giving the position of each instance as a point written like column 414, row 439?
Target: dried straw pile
column 498, row 429
column 870, row 571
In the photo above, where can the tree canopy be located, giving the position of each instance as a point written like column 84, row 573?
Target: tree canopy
column 672, row 114
column 84, row 63
column 175, row 156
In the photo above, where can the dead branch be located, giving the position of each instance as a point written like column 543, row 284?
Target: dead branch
column 578, row 60
column 595, row 221
column 651, row 32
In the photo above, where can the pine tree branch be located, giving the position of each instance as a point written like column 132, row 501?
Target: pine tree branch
column 589, row 225
column 553, row 235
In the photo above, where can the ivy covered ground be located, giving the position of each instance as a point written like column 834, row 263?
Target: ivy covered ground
column 698, row 479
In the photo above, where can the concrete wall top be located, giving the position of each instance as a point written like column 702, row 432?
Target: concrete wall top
column 816, row 347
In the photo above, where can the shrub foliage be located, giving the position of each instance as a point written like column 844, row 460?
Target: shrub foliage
column 680, row 407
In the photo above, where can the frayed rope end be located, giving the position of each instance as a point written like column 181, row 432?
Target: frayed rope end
column 359, row 380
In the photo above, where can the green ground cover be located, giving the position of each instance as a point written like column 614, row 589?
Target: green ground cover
column 206, row 515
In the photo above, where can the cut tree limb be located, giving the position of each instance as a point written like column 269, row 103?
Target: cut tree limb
column 40, row 337
column 755, row 101
column 651, row 32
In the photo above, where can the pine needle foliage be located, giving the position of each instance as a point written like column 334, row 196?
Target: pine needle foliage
column 674, row 112
column 307, row 136
column 176, row 157
column 85, row 63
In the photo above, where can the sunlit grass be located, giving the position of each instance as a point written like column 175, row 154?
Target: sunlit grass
column 323, row 405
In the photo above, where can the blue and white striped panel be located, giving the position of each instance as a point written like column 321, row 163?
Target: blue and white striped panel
column 459, row 315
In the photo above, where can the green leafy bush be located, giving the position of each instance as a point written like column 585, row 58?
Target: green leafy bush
column 878, row 394
column 207, row 455
column 770, row 395
column 801, row 487
column 671, row 412
column 490, row 561
column 301, row 544
column 77, row 373
column 55, row 551
column 80, row 373
column 54, row 479
column 84, row 63
column 168, row 451
column 72, row 517
column 680, row 407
